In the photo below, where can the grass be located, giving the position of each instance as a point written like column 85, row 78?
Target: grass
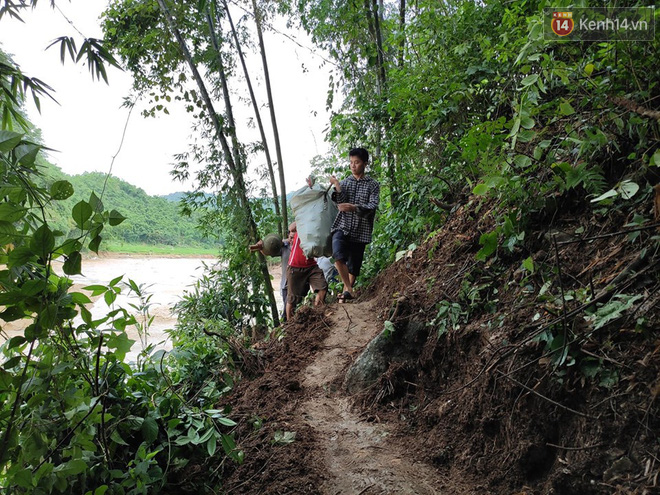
column 158, row 249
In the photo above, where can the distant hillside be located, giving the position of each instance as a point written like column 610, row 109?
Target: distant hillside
column 149, row 219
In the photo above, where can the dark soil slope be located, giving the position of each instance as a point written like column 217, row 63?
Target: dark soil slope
column 541, row 379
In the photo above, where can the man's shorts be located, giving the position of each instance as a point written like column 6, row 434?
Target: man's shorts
column 351, row 253
column 299, row 281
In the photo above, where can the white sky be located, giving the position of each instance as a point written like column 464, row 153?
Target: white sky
column 87, row 126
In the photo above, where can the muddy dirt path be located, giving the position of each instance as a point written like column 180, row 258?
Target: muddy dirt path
column 361, row 457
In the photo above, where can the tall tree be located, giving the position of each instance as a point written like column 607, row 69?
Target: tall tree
column 271, row 106
column 232, row 156
column 282, row 226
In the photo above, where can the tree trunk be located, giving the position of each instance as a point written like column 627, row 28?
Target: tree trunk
column 234, row 167
column 271, row 105
column 260, row 124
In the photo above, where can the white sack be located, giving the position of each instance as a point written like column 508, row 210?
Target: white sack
column 315, row 212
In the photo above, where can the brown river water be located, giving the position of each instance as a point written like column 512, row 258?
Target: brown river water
column 165, row 278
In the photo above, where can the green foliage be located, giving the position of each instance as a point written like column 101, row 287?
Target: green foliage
column 74, row 416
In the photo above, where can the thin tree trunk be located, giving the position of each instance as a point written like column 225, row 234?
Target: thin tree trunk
column 260, row 124
column 271, row 105
column 233, row 166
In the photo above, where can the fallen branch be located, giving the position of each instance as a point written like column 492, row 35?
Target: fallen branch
column 586, row 447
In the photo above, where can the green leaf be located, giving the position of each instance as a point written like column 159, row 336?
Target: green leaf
column 527, row 122
column 48, row 317
column 609, row 194
column 149, row 429
column 9, row 140
column 528, row 264
column 565, row 108
column 588, row 69
column 529, row 80
column 27, row 153
column 7, row 232
column 95, row 244
column 95, row 203
column 11, row 213
column 73, row 264
column 655, row 159
column 489, row 243
column 79, row 298
column 20, row 256
column 522, row 161
column 81, row 212
column 480, row 189
column 42, row 242
column 628, row 189
column 61, row 189
column 212, row 445
column 228, row 444
column 23, row 478
column 226, row 421
column 16, row 341
column 116, row 218
column 74, row 467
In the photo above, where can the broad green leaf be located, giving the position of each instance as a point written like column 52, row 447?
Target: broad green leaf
column 226, row 421
column 212, row 445
column 79, row 298
column 565, row 108
column 48, row 317
column 23, row 478
column 480, row 189
column 95, row 244
column 116, row 437
column 120, row 342
column 115, row 218
column 588, row 69
column 528, row 264
column 7, row 232
column 9, row 140
column 489, row 243
column 96, row 290
column 61, row 189
column 20, row 256
column 522, row 161
column 11, row 213
column 95, row 203
column 16, row 341
column 529, row 80
column 81, row 212
column 26, row 154
column 149, row 429
column 33, row 287
column 527, row 122
column 74, row 467
column 228, row 444
column 73, row 264
column 628, row 189
column 42, row 242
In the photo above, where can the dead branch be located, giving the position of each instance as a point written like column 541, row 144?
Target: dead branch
column 635, row 107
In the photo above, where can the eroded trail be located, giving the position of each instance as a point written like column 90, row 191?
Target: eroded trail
column 361, row 456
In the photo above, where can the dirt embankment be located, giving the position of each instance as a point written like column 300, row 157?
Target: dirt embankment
column 514, row 390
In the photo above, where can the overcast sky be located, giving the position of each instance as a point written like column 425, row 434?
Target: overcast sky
column 86, row 127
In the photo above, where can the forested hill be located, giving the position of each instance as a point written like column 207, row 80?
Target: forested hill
column 149, row 219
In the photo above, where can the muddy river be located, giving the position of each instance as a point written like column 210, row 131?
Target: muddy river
column 165, row 278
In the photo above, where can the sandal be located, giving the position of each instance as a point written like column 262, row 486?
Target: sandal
column 347, row 296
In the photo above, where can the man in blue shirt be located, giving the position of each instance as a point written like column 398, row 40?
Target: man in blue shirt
column 357, row 199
